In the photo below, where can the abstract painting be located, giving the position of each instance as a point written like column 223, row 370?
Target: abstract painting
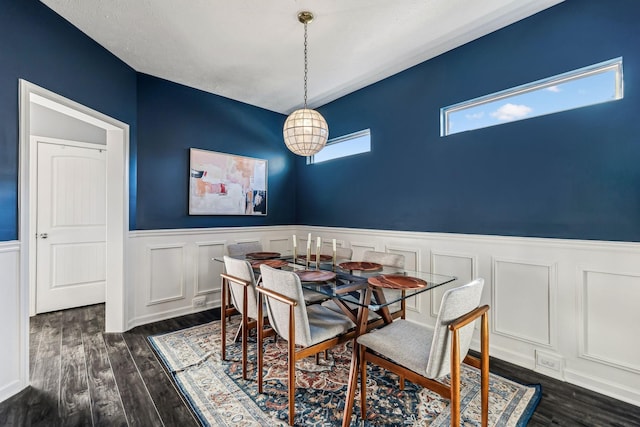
column 225, row 184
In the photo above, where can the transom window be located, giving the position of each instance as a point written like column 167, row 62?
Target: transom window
column 579, row 88
column 343, row 146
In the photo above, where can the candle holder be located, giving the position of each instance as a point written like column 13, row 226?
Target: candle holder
column 334, row 260
column 295, row 249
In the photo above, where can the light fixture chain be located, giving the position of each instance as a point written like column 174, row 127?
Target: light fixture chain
column 305, row 65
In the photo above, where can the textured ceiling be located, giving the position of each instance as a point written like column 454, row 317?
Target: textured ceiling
column 252, row 50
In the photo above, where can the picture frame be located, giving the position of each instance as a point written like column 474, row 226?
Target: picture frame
column 226, row 184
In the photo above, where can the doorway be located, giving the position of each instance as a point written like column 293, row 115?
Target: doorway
column 116, row 137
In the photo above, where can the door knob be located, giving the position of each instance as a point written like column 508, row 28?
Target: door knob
column 44, row 235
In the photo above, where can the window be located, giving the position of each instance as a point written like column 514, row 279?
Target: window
column 579, row 88
column 343, row 146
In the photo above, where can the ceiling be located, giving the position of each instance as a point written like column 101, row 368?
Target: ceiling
column 252, row 50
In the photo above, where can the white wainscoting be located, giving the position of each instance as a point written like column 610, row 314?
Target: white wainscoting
column 565, row 308
column 170, row 270
column 14, row 320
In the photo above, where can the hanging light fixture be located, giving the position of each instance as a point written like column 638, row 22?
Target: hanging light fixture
column 305, row 131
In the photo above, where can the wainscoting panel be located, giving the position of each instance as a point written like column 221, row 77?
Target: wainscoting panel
column 521, row 293
column 565, row 308
column 609, row 311
column 411, row 262
column 207, row 269
column 462, row 266
column 166, row 273
column 359, row 248
column 14, row 321
column 282, row 244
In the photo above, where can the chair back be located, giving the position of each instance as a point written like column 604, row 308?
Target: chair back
column 456, row 302
column 384, row 258
column 341, row 253
column 286, row 283
column 242, row 270
column 241, row 249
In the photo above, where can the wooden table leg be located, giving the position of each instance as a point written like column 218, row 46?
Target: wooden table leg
column 361, row 325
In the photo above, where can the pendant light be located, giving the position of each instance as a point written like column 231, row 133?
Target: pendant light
column 305, row 131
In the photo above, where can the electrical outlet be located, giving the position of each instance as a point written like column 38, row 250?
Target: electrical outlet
column 199, row 301
column 548, row 361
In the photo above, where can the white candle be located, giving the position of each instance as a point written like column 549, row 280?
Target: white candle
column 334, row 245
column 319, row 241
column 294, row 241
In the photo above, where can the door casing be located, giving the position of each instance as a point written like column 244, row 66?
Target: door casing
column 117, row 138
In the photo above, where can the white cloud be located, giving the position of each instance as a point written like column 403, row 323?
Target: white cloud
column 554, row 89
column 475, row 116
column 510, row 112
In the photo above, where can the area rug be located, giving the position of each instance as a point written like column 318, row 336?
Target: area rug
column 219, row 396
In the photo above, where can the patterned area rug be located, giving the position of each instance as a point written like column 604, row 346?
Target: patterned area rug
column 220, row 397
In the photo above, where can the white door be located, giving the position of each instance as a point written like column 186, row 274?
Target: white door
column 71, row 231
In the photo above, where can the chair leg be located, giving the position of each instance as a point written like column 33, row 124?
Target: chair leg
column 260, row 347
column 245, row 345
column 401, row 382
column 484, row 369
column 292, row 381
column 223, row 323
column 363, row 383
column 455, row 379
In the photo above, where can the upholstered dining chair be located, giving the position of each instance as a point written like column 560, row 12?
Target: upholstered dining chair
column 239, row 281
column 308, row 330
column 424, row 356
column 384, row 258
column 240, row 249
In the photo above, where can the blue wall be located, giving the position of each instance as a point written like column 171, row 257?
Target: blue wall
column 173, row 118
column 574, row 174
column 39, row 46
column 571, row 175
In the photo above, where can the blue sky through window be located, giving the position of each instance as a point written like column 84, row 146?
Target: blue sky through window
column 343, row 146
column 587, row 86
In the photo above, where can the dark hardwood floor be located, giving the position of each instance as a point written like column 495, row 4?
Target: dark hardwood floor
column 81, row 376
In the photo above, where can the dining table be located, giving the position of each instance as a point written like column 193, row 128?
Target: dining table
column 357, row 288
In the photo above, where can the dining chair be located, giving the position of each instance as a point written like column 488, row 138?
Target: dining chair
column 241, row 249
column 425, row 356
column 239, row 281
column 308, row 330
column 384, row 258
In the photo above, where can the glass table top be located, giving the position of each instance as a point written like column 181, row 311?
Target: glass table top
column 348, row 285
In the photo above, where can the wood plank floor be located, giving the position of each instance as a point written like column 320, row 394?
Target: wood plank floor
column 83, row 377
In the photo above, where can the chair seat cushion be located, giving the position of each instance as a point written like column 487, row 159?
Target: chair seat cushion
column 325, row 324
column 406, row 343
